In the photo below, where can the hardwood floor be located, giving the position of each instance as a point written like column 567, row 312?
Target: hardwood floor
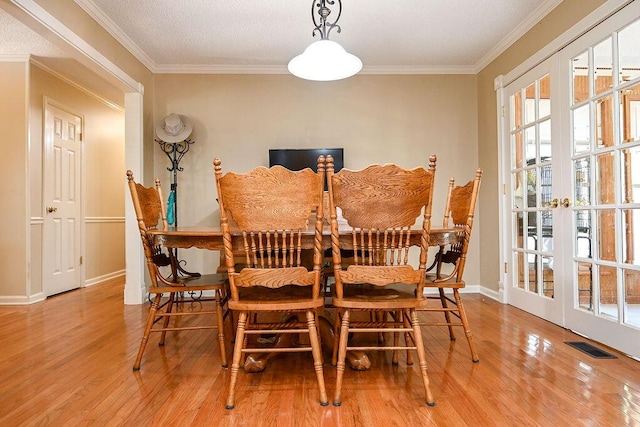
column 67, row 361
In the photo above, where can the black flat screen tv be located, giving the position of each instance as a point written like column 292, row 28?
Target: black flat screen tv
column 299, row 158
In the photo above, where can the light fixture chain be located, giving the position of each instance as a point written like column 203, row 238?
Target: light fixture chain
column 320, row 14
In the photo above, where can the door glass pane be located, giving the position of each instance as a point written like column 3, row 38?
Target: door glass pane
column 582, row 176
column 519, row 231
column 532, row 192
column 520, row 185
column 520, row 262
column 608, row 282
column 580, row 79
column 516, row 111
column 631, row 175
column 516, row 144
column 604, row 122
column 605, row 179
column 544, row 103
column 530, row 141
column 585, row 285
column 629, row 49
column 631, row 236
column 603, row 62
column 630, row 113
column 581, row 129
column 606, row 235
column 545, row 140
column 530, row 104
column 632, row 297
column 583, row 234
column 547, row 276
column 534, row 260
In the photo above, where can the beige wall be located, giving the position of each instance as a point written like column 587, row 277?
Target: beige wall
column 13, row 227
column 563, row 17
column 376, row 119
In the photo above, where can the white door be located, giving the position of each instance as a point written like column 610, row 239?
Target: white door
column 62, row 200
column 601, row 98
column 536, row 244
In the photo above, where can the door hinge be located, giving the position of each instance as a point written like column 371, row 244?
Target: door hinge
column 80, row 136
column 504, row 189
column 81, row 260
column 506, row 269
column 503, row 111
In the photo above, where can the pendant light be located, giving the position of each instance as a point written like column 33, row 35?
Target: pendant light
column 324, row 60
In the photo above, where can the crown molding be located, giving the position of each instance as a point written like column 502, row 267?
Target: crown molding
column 107, row 23
column 42, row 16
column 515, row 34
column 281, row 69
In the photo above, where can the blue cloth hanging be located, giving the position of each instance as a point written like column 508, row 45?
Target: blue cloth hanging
column 171, row 208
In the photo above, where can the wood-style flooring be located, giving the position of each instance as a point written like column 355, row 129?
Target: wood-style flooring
column 67, row 362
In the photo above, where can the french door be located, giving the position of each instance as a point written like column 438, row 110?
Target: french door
column 535, row 180
column 573, row 209
column 601, row 102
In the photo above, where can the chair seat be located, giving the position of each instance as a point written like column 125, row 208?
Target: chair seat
column 206, row 282
column 287, row 298
column 388, row 297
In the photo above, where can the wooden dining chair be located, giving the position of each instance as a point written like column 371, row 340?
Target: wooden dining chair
column 174, row 296
column 459, row 212
column 272, row 209
column 381, row 204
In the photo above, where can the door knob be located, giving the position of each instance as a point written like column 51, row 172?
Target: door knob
column 52, row 209
column 566, row 202
column 553, row 204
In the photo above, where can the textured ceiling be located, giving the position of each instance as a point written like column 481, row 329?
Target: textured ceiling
column 262, row 36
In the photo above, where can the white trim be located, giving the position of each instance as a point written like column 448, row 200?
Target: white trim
column 21, row 300
column 104, row 278
column 135, row 289
column 37, row 220
column 81, row 88
column 103, row 219
column 277, row 69
column 501, row 116
column 107, row 23
column 14, row 58
column 515, row 34
column 498, row 296
column 49, row 21
column 468, row 289
column 590, row 21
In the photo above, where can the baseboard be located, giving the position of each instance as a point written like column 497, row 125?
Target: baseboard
column 21, row 300
column 495, row 295
column 104, row 278
column 468, row 289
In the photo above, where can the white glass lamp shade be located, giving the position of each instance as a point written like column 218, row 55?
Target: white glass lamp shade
column 324, row 60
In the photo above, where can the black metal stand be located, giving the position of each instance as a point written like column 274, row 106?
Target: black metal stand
column 175, row 151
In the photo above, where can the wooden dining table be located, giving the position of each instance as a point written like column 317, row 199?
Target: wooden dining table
column 211, row 238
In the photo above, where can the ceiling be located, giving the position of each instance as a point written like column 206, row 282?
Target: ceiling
column 260, row 36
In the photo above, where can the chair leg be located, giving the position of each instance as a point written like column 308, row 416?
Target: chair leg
column 336, row 337
column 165, row 322
column 465, row 325
column 316, row 351
column 447, row 315
column 408, row 339
column 220, row 322
column 396, row 317
column 342, row 354
column 147, row 330
column 237, row 355
column 422, row 356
